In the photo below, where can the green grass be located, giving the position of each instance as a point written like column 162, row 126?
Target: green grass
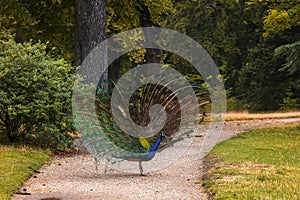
column 16, row 165
column 260, row 164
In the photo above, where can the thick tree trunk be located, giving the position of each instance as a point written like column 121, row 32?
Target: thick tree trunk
column 90, row 30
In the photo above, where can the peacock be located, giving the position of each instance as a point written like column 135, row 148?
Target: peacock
column 107, row 135
column 145, row 150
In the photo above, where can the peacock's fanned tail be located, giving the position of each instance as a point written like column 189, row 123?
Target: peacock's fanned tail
column 102, row 137
column 108, row 141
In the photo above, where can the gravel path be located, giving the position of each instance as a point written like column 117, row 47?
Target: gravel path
column 76, row 178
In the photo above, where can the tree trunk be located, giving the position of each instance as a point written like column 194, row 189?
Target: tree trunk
column 152, row 55
column 114, row 72
column 90, row 30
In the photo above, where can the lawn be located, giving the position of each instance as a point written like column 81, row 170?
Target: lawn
column 16, row 165
column 260, row 164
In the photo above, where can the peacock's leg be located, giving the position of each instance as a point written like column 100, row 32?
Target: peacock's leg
column 105, row 167
column 141, row 168
column 96, row 163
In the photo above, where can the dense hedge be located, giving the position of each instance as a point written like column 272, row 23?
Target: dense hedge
column 35, row 94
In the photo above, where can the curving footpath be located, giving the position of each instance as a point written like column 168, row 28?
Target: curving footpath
column 75, row 177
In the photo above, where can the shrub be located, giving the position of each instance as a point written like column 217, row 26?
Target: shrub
column 35, row 94
column 289, row 104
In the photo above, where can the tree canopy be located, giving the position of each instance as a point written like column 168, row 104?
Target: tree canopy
column 255, row 44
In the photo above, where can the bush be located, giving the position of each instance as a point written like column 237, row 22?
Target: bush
column 289, row 104
column 234, row 104
column 35, row 94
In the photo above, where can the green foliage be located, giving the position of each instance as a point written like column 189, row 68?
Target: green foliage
column 47, row 20
column 280, row 15
column 221, row 27
column 291, row 101
column 291, row 53
column 289, row 104
column 255, row 43
column 124, row 15
column 259, row 79
column 271, row 62
column 35, row 94
column 234, row 105
column 234, row 34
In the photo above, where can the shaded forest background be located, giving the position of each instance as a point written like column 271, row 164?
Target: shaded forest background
column 255, row 44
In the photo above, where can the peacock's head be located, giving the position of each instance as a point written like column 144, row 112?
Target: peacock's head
column 163, row 133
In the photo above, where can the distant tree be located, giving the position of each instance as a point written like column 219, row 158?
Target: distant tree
column 270, row 74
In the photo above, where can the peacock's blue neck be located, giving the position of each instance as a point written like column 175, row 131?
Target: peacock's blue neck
column 153, row 149
column 156, row 145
